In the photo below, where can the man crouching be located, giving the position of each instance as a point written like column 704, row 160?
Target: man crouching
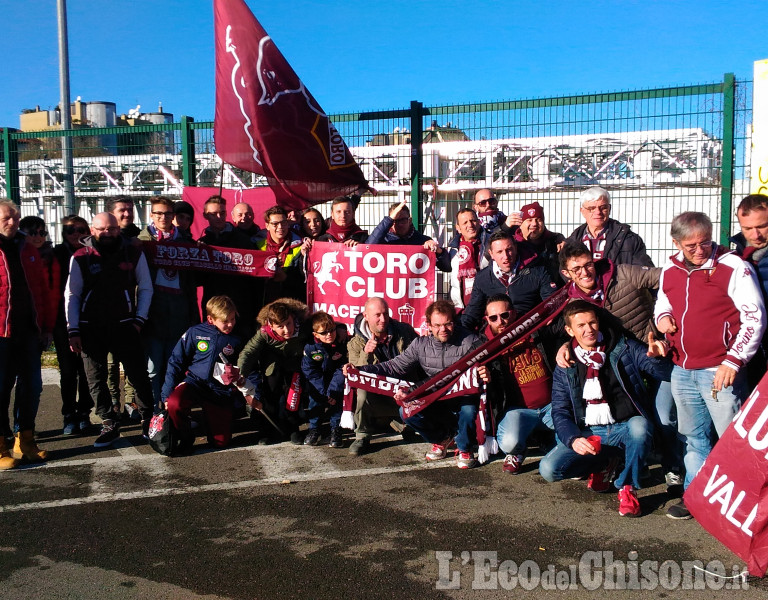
column 600, row 407
column 445, row 422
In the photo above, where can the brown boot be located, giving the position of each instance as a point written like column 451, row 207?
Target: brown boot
column 6, row 460
column 25, row 447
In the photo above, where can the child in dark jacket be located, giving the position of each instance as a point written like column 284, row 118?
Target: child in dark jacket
column 189, row 379
column 321, row 366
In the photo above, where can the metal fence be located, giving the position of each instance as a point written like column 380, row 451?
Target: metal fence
column 658, row 152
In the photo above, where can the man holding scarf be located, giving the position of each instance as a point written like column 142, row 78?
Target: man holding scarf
column 174, row 301
column 600, row 407
column 467, row 256
column 288, row 280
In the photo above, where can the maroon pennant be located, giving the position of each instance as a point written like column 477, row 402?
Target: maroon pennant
column 268, row 123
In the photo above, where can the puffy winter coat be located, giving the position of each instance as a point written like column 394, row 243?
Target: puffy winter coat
column 622, row 245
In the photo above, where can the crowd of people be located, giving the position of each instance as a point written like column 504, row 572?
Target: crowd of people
column 644, row 364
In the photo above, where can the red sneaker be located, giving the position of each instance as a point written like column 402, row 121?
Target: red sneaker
column 629, row 506
column 465, row 460
column 512, row 463
column 600, row 481
column 439, row 451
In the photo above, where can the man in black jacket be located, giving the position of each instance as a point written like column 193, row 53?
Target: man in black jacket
column 605, row 237
column 525, row 285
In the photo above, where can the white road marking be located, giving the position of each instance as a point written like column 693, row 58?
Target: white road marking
column 219, row 487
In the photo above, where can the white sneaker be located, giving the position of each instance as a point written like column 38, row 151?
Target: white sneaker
column 673, row 479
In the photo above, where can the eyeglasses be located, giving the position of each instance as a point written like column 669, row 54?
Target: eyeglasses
column 112, row 229
column 706, row 246
column 41, row 233
column 70, row 229
column 601, row 208
column 326, row 332
column 503, row 316
column 486, row 202
column 585, row 267
column 442, row 326
column 277, row 224
column 160, row 213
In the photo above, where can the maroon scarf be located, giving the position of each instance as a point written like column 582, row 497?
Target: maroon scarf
column 469, row 257
column 341, row 234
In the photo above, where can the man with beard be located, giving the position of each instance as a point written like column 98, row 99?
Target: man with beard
column 343, row 228
column 105, row 276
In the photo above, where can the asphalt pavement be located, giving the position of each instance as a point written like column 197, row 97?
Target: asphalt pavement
column 286, row 521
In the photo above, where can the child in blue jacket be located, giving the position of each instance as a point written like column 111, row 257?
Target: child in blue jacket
column 321, row 367
column 189, row 379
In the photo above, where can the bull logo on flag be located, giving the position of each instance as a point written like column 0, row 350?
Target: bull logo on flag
column 324, row 269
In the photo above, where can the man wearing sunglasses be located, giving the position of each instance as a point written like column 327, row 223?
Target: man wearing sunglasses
column 519, row 387
column 606, row 237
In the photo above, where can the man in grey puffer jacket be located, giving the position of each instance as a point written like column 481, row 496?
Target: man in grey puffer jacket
column 444, row 422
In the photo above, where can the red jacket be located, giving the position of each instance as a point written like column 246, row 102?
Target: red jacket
column 718, row 309
column 37, row 281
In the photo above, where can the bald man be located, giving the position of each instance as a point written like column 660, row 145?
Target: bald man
column 112, row 274
column 377, row 338
column 243, row 220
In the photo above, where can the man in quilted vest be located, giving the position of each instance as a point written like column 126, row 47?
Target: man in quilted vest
column 107, row 302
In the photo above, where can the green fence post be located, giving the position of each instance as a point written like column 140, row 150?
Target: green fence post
column 188, row 151
column 11, row 159
column 726, row 174
column 417, row 137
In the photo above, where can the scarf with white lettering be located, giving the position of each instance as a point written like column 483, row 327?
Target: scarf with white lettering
column 598, row 412
column 469, row 258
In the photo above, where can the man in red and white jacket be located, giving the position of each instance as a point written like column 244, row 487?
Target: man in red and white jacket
column 711, row 309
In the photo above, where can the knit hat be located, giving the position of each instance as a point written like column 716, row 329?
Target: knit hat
column 532, row 211
column 185, row 208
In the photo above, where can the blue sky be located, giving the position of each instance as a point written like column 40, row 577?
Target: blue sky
column 368, row 55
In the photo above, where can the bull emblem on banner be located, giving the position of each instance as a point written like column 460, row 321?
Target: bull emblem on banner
column 325, row 268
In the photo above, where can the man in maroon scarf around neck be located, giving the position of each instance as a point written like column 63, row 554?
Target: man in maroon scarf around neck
column 342, row 227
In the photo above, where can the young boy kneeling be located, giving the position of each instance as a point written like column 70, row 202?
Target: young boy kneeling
column 189, row 380
column 321, row 367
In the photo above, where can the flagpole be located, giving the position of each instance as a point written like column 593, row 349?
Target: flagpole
column 221, row 177
column 67, row 164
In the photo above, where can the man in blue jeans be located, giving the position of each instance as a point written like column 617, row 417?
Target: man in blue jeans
column 519, row 387
column 600, row 407
column 711, row 309
column 446, row 422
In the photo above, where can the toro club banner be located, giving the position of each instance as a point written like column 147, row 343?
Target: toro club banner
column 341, row 278
column 729, row 495
column 194, row 257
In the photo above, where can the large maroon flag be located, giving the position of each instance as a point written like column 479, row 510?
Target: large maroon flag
column 266, row 120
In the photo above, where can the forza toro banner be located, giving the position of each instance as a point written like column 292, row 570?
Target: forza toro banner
column 341, row 278
column 196, row 257
column 729, row 495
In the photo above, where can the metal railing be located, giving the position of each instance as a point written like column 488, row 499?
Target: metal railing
column 658, row 152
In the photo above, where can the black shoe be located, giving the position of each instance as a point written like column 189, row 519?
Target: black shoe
column 679, row 512
column 145, row 428
column 313, row 438
column 297, row 438
column 409, row 435
column 359, row 446
column 110, row 431
column 336, row 439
